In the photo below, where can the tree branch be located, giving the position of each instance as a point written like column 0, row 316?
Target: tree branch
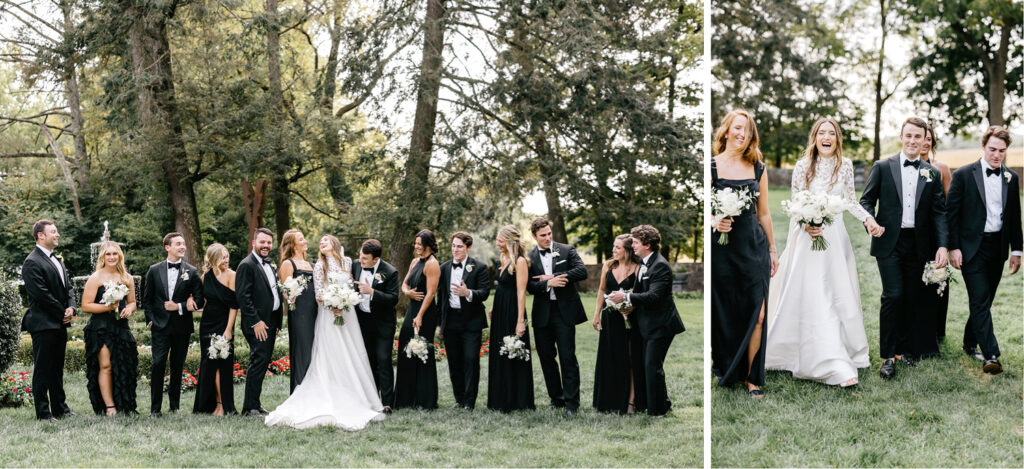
column 314, row 207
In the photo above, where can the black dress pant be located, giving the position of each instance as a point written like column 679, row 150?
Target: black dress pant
column 463, row 349
column 558, row 337
column 655, row 350
column 48, row 349
column 901, row 294
column 174, row 346
column 981, row 277
column 378, row 351
column 259, row 361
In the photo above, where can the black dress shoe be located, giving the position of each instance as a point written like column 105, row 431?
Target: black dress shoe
column 262, row 411
column 888, row 370
column 387, row 410
column 570, row 413
column 155, row 415
column 756, row 393
column 973, row 352
column 907, row 362
column 992, row 366
column 251, row 413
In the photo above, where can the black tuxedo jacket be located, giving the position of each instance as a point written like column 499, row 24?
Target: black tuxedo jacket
column 478, row 281
column 655, row 310
column 567, row 262
column 256, row 295
column 885, row 187
column 967, row 211
column 385, row 297
column 188, row 284
column 48, row 296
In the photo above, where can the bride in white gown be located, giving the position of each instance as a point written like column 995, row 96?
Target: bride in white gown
column 338, row 389
column 816, row 324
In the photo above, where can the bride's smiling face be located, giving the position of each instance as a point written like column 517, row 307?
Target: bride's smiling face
column 737, row 133
column 825, row 139
column 325, row 245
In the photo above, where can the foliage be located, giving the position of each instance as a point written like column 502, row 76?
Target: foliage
column 11, row 311
column 15, row 389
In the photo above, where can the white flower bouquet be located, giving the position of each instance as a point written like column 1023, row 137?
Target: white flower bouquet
column 113, row 292
column 619, row 307
column 220, row 347
column 939, row 277
column 513, row 347
column 815, row 209
column 418, row 346
column 729, row 203
column 292, row 287
column 339, row 296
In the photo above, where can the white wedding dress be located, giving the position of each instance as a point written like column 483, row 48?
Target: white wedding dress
column 338, row 389
column 815, row 320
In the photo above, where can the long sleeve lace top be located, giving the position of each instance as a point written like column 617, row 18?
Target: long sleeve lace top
column 822, row 182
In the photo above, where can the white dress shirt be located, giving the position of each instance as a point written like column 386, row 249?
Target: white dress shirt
column 993, row 198
column 547, row 261
column 456, row 280
column 910, row 176
column 55, row 262
column 364, row 276
column 271, row 279
column 640, row 275
column 172, row 281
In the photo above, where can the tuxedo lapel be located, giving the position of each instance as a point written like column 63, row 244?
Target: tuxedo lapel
column 921, row 182
column 897, row 179
column 162, row 275
column 979, row 179
column 42, row 258
column 263, row 273
column 1002, row 183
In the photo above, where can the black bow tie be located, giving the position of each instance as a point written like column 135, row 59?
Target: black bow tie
column 992, row 172
column 915, row 163
column 545, row 251
column 174, row 266
column 53, row 255
column 266, row 260
column 456, row 265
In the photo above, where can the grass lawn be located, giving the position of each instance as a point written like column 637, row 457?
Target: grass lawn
column 945, row 413
column 445, row 437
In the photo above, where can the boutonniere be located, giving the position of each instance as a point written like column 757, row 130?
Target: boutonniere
column 184, row 275
column 60, row 258
column 926, row 173
column 378, row 277
column 1006, row 175
column 469, row 267
column 643, row 270
column 555, row 252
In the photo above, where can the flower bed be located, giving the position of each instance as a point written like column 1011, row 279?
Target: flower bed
column 15, row 389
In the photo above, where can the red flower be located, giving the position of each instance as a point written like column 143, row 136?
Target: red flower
column 28, row 389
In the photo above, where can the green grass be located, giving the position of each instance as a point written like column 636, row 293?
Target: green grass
column 947, row 413
column 444, row 437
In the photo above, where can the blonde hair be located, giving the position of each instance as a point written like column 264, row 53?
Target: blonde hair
column 337, row 252
column 214, row 254
column 751, row 151
column 812, row 156
column 513, row 245
column 101, row 261
column 287, row 246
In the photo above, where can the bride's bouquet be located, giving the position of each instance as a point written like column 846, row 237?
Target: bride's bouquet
column 339, row 295
column 816, row 210
column 113, row 292
column 292, row 287
column 513, row 347
column 619, row 307
column 729, row 203
column 940, row 277
column 220, row 347
column 418, row 346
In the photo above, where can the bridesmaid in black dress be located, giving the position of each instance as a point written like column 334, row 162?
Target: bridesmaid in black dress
column 742, row 268
column 111, row 356
column 301, row 313
column 215, row 392
column 619, row 371
column 509, row 382
column 416, row 381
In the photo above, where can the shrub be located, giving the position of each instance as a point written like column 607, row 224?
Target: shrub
column 15, row 389
column 11, row 310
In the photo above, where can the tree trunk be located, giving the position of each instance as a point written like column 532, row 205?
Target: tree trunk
column 282, row 204
column 879, row 100
column 341, row 194
column 279, row 183
column 997, row 82
column 417, row 166
column 74, row 106
column 254, row 201
column 157, row 111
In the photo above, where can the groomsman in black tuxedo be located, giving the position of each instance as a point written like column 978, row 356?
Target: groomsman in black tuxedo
column 984, row 223
column 173, row 293
column 259, row 302
column 378, row 282
column 912, row 219
column 464, row 287
column 51, row 305
column 656, row 314
column 554, row 270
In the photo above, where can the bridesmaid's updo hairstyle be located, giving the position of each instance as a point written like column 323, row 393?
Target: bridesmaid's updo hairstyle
column 287, row 246
column 336, row 252
column 751, row 152
column 627, row 244
column 514, row 245
column 428, row 240
column 214, row 254
column 101, row 261
column 812, row 156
